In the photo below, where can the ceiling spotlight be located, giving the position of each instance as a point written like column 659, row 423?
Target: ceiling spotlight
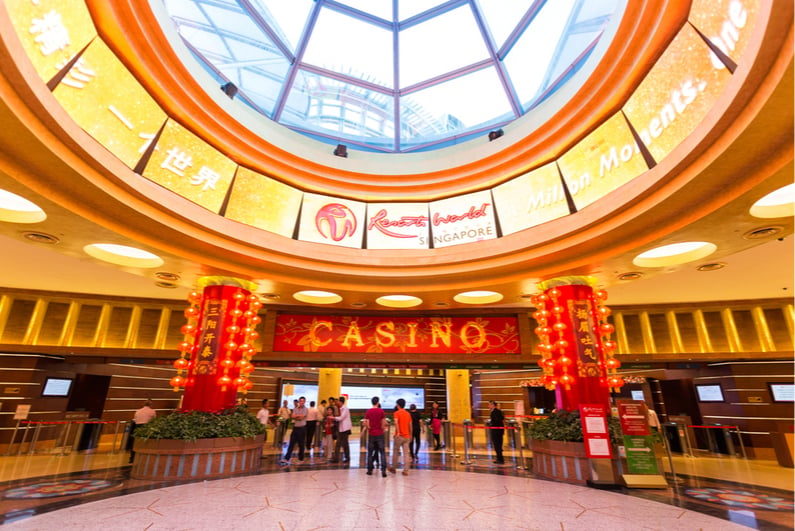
column 270, row 296
column 630, row 276
column 167, row 285
column 41, row 237
column 711, row 267
column 358, row 304
column 494, row 135
column 341, row 150
column 230, row 89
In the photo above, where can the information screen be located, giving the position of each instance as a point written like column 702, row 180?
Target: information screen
column 782, row 392
column 709, row 393
column 357, row 396
column 57, row 387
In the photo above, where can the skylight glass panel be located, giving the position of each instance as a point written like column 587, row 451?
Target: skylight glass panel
column 287, row 19
column 447, row 109
column 320, row 104
column 263, row 88
column 440, row 45
column 409, row 8
column 379, row 8
column 502, row 17
column 366, row 54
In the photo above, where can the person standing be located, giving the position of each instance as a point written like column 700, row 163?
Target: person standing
column 311, row 425
column 416, row 431
column 299, row 432
column 402, row 436
column 344, row 430
column 328, row 433
column 497, row 430
column 140, row 417
column 436, row 425
column 263, row 416
column 375, row 422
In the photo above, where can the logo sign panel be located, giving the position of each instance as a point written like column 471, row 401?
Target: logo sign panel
column 398, row 226
column 332, row 220
column 463, row 219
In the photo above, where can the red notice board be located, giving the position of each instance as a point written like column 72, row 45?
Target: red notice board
column 595, row 432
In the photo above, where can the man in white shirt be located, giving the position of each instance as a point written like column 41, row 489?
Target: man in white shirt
column 345, row 426
column 312, row 419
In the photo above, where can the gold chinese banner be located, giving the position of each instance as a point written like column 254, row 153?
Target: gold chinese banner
column 189, row 166
column 108, row 103
column 51, row 31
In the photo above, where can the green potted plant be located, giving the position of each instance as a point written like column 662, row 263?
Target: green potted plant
column 559, row 450
column 198, row 445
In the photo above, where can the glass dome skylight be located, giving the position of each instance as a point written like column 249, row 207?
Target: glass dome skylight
column 392, row 75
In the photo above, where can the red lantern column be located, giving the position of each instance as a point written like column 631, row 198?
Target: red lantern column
column 575, row 344
column 219, row 339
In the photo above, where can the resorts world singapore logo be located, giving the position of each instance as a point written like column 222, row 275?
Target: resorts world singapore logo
column 335, row 222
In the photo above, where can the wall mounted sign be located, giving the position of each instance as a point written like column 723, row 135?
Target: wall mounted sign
column 455, row 335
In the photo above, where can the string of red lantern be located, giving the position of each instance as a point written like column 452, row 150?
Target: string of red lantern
column 611, row 363
column 188, row 344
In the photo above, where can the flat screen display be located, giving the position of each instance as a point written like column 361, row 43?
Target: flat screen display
column 637, row 394
column 58, row 387
column 709, row 393
column 782, row 392
column 357, row 396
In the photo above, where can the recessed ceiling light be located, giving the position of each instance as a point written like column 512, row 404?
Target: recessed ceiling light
column 777, row 204
column 123, row 255
column 399, row 301
column 168, row 285
column 760, row 234
column 630, row 276
column 17, row 209
column 711, row 267
column 317, row 297
column 478, row 297
column 270, row 296
column 41, row 237
column 168, row 277
column 674, row 254
column 358, row 304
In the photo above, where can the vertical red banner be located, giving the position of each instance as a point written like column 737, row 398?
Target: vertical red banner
column 215, row 361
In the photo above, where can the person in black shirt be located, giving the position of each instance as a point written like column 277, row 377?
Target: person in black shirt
column 416, row 429
column 497, row 425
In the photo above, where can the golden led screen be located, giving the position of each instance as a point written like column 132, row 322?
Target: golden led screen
column 265, row 203
column 332, row 220
column 463, row 219
column 530, row 199
column 52, row 32
column 727, row 24
column 105, row 99
column 398, row 226
column 677, row 94
column 187, row 165
column 601, row 162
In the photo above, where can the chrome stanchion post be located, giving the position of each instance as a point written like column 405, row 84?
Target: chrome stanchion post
column 740, row 439
column 13, row 438
column 521, row 452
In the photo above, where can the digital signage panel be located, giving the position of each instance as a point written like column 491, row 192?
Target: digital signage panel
column 108, row 103
column 265, row 203
column 332, row 220
column 189, row 166
column 463, row 219
column 601, row 162
column 52, row 32
column 530, row 199
column 676, row 95
column 728, row 24
column 398, row 226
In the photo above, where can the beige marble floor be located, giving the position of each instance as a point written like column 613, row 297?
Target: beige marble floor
column 350, row 500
